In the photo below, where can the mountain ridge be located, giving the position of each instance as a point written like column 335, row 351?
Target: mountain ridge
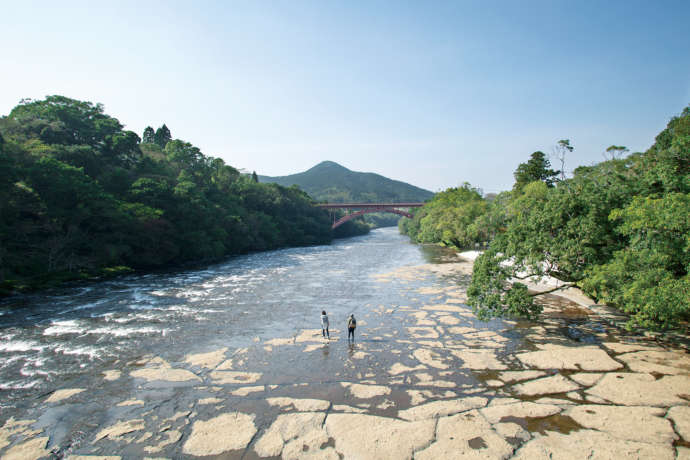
column 332, row 182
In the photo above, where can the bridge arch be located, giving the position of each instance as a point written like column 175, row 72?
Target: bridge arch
column 361, row 212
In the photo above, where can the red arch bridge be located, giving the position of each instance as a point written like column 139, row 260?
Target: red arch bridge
column 358, row 209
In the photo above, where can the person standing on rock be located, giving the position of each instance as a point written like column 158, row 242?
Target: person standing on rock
column 351, row 325
column 324, row 325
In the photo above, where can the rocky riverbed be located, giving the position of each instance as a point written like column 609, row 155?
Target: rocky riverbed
column 424, row 380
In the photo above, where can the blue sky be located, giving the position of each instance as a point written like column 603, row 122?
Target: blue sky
column 431, row 93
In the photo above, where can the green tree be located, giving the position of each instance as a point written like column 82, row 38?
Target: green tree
column 537, row 168
column 149, row 135
column 255, row 178
column 162, row 136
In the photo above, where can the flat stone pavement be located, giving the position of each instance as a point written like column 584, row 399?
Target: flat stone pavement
column 424, row 380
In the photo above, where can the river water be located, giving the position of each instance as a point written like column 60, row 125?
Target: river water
column 62, row 337
column 219, row 360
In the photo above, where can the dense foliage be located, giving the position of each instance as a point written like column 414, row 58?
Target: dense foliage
column 620, row 230
column 81, row 196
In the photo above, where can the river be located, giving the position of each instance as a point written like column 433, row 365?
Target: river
column 136, row 365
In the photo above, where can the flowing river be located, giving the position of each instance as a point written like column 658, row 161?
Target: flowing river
column 137, row 365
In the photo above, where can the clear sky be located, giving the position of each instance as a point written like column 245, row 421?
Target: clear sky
column 432, row 93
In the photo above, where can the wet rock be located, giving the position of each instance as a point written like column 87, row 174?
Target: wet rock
column 302, row 405
column 517, row 376
column 111, row 375
column 169, row 437
column 444, row 307
column 399, row 368
column 366, row 391
column 441, row 408
column 681, row 419
column 512, row 431
column 589, row 445
column 208, row 360
column 630, row 389
column 244, row 391
column 546, row 385
column 33, row 448
column 209, row 401
column 661, row 362
column 288, row 427
column 642, row 424
column 495, row 414
column 120, row 428
column 465, row 435
column 94, row 457
column 429, row 358
column 59, row 395
column 586, row 358
column 225, row 377
column 231, row 431
column 369, row 436
column 131, row 402
column 159, row 369
column 479, row 360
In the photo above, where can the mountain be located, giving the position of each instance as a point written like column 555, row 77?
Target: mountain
column 329, row 181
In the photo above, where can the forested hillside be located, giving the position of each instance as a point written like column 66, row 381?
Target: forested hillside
column 81, row 196
column 620, row 230
column 330, row 182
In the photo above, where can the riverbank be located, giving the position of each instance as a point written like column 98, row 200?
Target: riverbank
column 424, row 379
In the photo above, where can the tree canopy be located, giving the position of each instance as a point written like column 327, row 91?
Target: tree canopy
column 80, row 196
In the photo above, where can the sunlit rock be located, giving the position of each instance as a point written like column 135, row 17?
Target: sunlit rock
column 442, row 408
column 59, row 395
column 661, row 362
column 369, row 436
column 244, row 391
column 589, row 445
column 644, row 424
column 208, row 360
column 225, row 377
column 586, row 358
column 479, row 360
column 496, row 414
column 120, row 428
column 302, row 405
column 366, row 391
column 632, row 389
column 159, row 369
column 517, row 376
column 546, row 385
column 33, row 448
column 231, row 431
column 285, row 428
column 681, row 419
column 430, row 358
column 467, row 435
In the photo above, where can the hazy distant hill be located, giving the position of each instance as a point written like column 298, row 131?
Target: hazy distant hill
column 329, row 181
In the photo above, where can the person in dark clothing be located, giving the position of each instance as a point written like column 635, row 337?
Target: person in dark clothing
column 351, row 325
column 324, row 325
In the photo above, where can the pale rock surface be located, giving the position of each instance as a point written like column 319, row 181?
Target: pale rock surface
column 479, row 360
column 468, row 436
column 589, row 445
column 681, row 419
column 366, row 391
column 285, row 428
column 208, row 360
column 586, row 358
column 631, row 389
column 399, row 368
column 517, row 376
column 359, row 436
column 547, row 385
column 231, row 431
column 244, row 391
column 512, row 430
column 430, row 358
column 59, row 395
column 683, row 453
column 111, row 375
column 423, row 332
column 643, row 424
column 348, row 409
column 224, row 377
column 620, row 347
column 662, row 362
column 586, row 378
column 33, row 448
column 301, row 405
column 494, row 414
column 120, row 428
column 442, row 408
column 159, row 369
